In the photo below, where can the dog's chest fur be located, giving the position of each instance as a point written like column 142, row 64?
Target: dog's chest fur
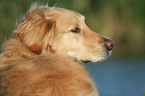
column 46, row 76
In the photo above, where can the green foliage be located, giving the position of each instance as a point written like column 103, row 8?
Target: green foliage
column 121, row 20
column 144, row 94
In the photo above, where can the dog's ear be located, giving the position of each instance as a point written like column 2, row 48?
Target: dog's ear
column 33, row 29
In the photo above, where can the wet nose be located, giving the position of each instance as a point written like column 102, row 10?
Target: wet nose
column 108, row 43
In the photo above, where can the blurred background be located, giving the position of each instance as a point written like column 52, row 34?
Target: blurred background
column 123, row 74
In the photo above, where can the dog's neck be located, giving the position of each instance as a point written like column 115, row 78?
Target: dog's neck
column 15, row 48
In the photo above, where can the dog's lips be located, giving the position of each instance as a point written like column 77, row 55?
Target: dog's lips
column 97, row 60
column 85, row 61
column 88, row 61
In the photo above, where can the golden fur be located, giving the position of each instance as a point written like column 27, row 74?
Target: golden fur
column 41, row 59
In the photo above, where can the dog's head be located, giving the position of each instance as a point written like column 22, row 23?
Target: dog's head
column 64, row 32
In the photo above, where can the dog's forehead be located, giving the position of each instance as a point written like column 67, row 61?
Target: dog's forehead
column 64, row 12
column 74, row 13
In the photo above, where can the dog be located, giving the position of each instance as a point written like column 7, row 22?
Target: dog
column 42, row 58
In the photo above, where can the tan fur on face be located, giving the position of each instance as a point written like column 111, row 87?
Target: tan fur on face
column 41, row 58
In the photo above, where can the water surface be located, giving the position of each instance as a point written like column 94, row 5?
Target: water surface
column 119, row 77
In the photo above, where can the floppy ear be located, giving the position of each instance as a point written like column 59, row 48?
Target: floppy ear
column 33, row 29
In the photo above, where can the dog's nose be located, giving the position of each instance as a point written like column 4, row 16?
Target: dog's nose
column 108, row 43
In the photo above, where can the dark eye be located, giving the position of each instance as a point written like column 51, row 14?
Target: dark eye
column 76, row 30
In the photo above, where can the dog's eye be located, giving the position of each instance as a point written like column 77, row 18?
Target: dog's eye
column 75, row 30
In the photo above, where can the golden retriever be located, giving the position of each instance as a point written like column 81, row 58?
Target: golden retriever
column 42, row 57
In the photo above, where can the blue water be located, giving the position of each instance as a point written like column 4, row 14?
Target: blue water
column 119, row 77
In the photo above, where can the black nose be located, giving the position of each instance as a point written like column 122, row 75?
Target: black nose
column 108, row 43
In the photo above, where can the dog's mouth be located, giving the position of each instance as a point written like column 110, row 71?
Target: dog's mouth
column 85, row 61
column 88, row 61
column 97, row 59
